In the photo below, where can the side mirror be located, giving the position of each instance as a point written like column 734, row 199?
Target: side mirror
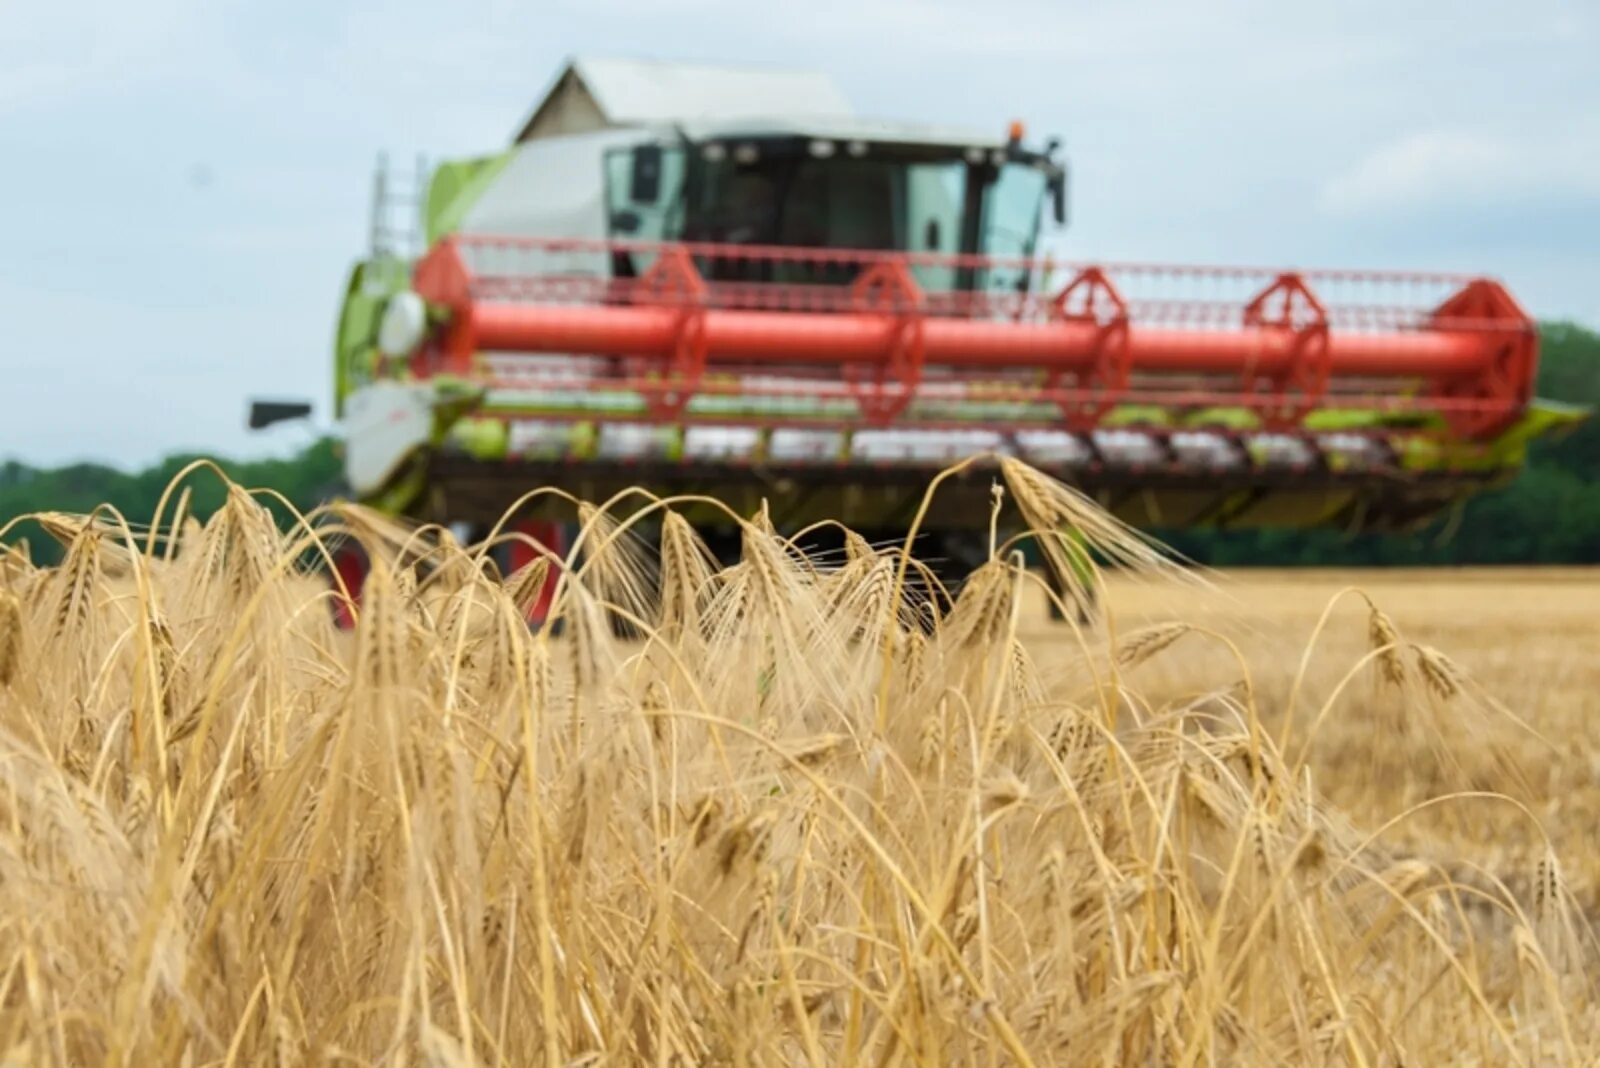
column 1058, row 195
column 266, row 413
column 644, row 182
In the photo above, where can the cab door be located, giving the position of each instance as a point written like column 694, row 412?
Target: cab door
column 644, row 201
column 1009, row 227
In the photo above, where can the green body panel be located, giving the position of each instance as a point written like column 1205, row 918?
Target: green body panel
column 355, row 342
column 454, row 188
column 401, row 494
column 480, row 438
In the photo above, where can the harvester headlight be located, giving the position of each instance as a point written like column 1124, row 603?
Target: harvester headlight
column 404, row 321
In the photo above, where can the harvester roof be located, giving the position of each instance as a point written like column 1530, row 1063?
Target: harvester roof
column 843, row 129
column 593, row 93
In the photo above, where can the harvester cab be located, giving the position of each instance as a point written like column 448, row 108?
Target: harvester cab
column 834, row 186
column 725, row 282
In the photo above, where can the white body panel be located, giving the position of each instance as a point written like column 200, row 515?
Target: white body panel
column 384, row 423
column 638, row 92
column 403, row 324
column 551, row 188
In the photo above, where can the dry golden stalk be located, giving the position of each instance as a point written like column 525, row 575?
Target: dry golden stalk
column 706, row 819
column 1144, row 644
column 578, row 818
column 405, row 585
column 1551, row 917
column 1311, row 854
column 1382, row 635
column 745, row 840
column 1003, row 791
column 1206, row 800
column 817, row 750
column 11, row 625
column 930, row 746
column 526, row 584
column 617, row 567
column 1055, row 877
column 15, row 564
column 1073, row 529
column 913, row 651
column 77, row 584
column 1440, row 673
column 857, row 548
column 136, row 808
column 1071, row 733
column 966, row 925
column 982, row 611
column 686, row 571
column 382, row 636
column 1406, row 876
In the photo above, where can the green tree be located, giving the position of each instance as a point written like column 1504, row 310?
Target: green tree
column 306, row 479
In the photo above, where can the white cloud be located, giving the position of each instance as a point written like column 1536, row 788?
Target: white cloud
column 1463, row 168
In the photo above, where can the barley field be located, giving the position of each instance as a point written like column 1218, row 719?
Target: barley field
column 788, row 811
column 1523, row 639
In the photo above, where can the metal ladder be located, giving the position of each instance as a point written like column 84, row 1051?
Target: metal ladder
column 396, row 221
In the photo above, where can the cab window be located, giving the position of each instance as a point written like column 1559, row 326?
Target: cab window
column 644, row 200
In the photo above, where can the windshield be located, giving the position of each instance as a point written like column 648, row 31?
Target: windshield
column 1011, row 224
column 877, row 198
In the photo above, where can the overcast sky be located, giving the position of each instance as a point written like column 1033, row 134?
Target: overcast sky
column 183, row 183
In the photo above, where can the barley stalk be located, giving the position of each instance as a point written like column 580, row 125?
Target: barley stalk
column 449, row 838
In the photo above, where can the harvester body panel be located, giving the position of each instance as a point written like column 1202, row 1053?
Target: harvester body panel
column 819, row 313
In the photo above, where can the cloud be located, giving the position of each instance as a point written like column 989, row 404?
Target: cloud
column 1455, row 168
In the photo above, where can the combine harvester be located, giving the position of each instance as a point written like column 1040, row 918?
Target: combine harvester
column 709, row 281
